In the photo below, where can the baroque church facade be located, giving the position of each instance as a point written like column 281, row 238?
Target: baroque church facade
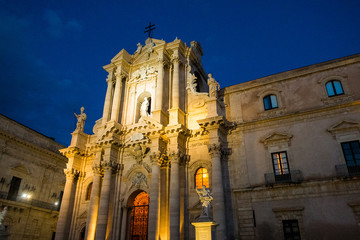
column 280, row 154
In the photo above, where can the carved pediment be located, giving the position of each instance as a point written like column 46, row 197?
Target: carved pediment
column 276, row 137
column 21, row 169
column 344, row 126
column 144, row 73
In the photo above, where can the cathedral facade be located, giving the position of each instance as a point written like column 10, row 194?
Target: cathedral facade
column 280, row 154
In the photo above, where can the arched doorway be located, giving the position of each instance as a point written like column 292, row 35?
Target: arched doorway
column 139, row 217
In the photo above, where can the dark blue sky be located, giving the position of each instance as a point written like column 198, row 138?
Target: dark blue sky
column 52, row 52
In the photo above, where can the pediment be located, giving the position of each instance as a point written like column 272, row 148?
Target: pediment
column 123, row 54
column 344, row 126
column 276, row 137
column 144, row 56
column 21, row 169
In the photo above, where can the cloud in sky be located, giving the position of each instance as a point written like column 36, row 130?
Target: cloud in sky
column 57, row 26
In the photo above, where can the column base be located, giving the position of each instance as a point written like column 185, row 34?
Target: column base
column 205, row 229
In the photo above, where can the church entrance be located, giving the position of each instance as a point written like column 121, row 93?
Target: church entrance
column 139, row 217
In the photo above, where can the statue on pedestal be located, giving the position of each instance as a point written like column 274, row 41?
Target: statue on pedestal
column 205, row 197
column 80, row 120
column 214, row 86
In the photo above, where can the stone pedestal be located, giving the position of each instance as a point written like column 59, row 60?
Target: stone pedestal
column 205, row 229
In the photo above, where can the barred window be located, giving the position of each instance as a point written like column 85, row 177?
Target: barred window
column 201, row 178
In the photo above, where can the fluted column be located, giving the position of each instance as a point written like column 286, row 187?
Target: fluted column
column 174, row 197
column 159, row 85
column 104, row 202
column 94, row 204
column 176, row 80
column 218, row 190
column 116, row 98
column 154, row 206
column 107, row 104
column 64, row 220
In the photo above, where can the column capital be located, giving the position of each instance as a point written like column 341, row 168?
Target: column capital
column 71, row 174
column 98, row 170
column 164, row 161
column 214, row 149
column 155, row 158
column 175, row 59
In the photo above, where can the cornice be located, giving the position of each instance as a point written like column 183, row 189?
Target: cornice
column 310, row 114
column 32, row 146
column 294, row 74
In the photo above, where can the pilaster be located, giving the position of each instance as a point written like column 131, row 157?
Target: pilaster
column 154, row 205
column 218, row 190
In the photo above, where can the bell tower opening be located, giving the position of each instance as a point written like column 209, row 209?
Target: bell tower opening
column 139, row 217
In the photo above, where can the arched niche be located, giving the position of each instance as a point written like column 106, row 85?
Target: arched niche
column 139, row 101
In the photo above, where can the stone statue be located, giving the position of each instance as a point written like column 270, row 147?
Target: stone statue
column 144, row 108
column 2, row 215
column 214, row 86
column 81, row 120
column 205, row 197
column 139, row 48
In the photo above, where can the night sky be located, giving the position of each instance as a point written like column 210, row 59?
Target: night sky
column 52, row 52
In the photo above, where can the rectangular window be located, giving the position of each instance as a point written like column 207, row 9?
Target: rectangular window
column 281, row 166
column 14, row 188
column 351, row 152
column 291, row 230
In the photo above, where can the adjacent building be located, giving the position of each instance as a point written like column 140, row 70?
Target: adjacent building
column 31, row 181
column 280, row 154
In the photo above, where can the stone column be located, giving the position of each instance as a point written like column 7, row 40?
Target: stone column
column 94, row 204
column 66, row 209
column 159, row 85
column 107, row 104
column 217, row 190
column 124, row 218
column 116, row 98
column 102, row 219
column 174, row 197
column 176, row 80
column 154, row 206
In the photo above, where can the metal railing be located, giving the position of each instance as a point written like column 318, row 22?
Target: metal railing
column 295, row 176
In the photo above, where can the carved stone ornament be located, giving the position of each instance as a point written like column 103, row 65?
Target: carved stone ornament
column 139, row 179
column 144, row 73
column 155, row 158
column 139, row 152
column 191, row 83
column 214, row 149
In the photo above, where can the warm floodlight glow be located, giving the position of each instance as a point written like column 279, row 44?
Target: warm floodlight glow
column 25, row 195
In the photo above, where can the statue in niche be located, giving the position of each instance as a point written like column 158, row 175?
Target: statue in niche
column 214, row 86
column 205, row 197
column 139, row 48
column 80, row 120
column 145, row 108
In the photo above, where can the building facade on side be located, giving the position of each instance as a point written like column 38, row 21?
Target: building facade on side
column 280, row 154
column 31, row 181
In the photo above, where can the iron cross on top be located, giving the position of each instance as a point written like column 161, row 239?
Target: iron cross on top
column 150, row 28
